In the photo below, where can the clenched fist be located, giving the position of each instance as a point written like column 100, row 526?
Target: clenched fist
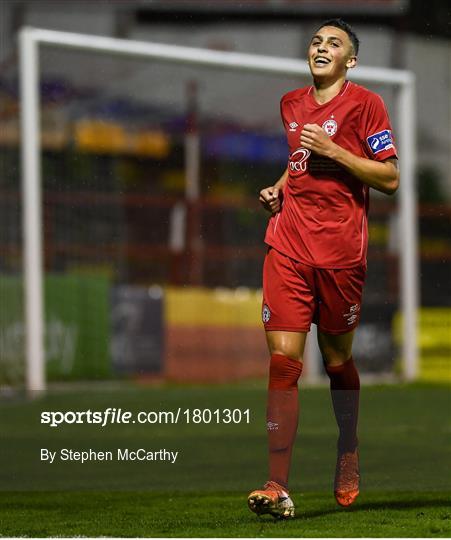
column 271, row 199
column 314, row 138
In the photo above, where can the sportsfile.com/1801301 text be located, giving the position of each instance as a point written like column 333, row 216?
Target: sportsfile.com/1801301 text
column 113, row 415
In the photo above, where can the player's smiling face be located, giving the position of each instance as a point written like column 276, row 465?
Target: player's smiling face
column 330, row 54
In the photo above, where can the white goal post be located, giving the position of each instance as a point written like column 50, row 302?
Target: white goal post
column 29, row 41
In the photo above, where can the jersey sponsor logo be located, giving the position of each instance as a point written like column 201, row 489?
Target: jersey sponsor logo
column 297, row 162
column 353, row 314
column 382, row 140
column 293, row 126
column 266, row 314
column 330, row 127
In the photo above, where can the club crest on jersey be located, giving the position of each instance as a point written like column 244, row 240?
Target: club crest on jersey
column 293, row 126
column 330, row 127
column 266, row 314
column 382, row 140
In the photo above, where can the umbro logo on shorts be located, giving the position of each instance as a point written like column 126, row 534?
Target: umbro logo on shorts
column 266, row 314
column 353, row 314
column 293, row 126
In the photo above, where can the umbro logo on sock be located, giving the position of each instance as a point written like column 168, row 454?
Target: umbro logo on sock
column 272, row 426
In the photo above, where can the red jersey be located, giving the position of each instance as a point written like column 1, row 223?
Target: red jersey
column 323, row 220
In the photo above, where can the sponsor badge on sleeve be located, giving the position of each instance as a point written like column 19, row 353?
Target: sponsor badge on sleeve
column 380, row 141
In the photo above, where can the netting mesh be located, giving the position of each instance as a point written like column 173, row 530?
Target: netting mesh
column 11, row 291
column 114, row 137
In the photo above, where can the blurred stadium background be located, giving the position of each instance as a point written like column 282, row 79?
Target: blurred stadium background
column 143, row 280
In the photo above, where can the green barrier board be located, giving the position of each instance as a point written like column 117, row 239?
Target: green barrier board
column 77, row 328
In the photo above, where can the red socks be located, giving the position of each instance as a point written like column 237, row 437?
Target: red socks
column 282, row 414
column 283, row 410
column 345, row 390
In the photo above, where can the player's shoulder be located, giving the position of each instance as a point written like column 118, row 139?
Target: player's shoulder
column 296, row 94
column 364, row 96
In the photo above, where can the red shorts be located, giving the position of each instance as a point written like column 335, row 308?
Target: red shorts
column 295, row 295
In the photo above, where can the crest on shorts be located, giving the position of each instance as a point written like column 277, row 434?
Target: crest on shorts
column 266, row 314
column 330, row 127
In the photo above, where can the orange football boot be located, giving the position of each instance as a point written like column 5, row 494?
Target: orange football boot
column 272, row 499
column 347, row 478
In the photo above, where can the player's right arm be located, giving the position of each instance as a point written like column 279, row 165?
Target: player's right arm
column 271, row 197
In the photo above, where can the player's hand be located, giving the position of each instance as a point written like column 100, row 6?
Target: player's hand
column 271, row 199
column 314, row 138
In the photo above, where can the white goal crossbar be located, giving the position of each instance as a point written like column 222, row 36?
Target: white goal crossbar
column 29, row 41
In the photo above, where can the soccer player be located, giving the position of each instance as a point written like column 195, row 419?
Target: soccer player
column 340, row 144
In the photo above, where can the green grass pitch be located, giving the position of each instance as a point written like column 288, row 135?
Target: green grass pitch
column 404, row 434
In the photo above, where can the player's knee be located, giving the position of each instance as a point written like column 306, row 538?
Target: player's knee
column 289, row 344
column 335, row 354
column 290, row 351
column 284, row 372
column 335, row 358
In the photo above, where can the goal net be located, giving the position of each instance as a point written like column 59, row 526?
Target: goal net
column 144, row 259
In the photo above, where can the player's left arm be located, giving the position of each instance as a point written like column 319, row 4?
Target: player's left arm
column 380, row 175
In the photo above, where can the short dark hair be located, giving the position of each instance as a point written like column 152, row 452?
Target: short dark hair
column 340, row 23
